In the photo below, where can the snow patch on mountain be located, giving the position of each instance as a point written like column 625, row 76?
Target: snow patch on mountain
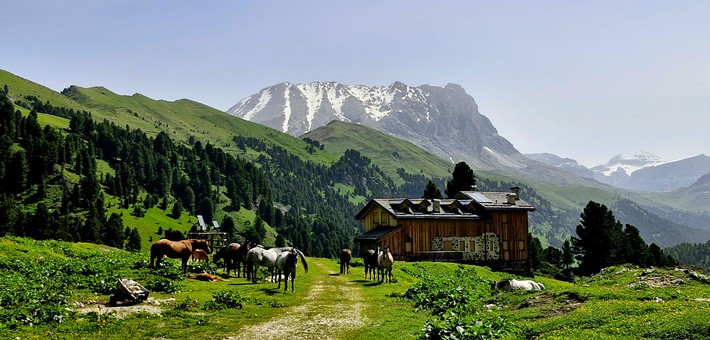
column 629, row 163
column 260, row 105
column 287, row 109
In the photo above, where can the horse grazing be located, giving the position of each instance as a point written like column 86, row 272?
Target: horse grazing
column 234, row 254
column 510, row 285
column 345, row 256
column 260, row 256
column 176, row 249
column 286, row 263
column 385, row 262
column 370, row 259
column 199, row 255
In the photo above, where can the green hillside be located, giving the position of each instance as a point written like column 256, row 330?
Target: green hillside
column 20, row 87
column 181, row 119
column 57, row 289
column 389, row 153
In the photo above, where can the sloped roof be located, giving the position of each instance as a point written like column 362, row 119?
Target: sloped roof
column 466, row 205
column 376, row 233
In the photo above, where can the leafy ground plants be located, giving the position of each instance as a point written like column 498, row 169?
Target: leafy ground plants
column 456, row 301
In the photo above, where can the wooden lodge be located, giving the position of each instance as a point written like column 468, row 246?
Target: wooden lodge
column 486, row 228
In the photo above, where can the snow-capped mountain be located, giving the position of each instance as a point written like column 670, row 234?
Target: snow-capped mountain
column 442, row 120
column 641, row 171
column 628, row 164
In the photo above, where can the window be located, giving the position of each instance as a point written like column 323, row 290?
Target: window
column 521, row 245
column 448, row 246
column 384, row 218
column 375, row 218
column 504, row 218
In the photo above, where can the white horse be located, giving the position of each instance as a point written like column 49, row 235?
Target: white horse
column 286, row 263
column 384, row 263
column 259, row 256
column 510, row 285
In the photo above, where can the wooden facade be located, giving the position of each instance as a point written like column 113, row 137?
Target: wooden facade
column 487, row 228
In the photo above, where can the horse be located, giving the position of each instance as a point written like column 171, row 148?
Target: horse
column 176, row 249
column 199, row 255
column 370, row 259
column 234, row 254
column 286, row 263
column 345, row 256
column 385, row 262
column 510, row 285
column 260, row 256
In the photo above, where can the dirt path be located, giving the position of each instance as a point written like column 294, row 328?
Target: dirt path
column 333, row 305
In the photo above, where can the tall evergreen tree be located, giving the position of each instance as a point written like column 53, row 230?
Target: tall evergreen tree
column 177, row 210
column 599, row 239
column 463, row 179
column 536, row 252
column 229, row 227
column 432, row 191
column 567, row 255
column 134, row 241
column 112, row 233
column 634, row 248
column 16, row 174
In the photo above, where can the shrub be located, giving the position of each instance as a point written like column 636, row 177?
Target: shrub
column 164, row 285
column 225, row 299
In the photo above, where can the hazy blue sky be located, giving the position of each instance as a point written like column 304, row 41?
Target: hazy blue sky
column 585, row 80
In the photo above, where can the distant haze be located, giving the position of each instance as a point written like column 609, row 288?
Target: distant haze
column 580, row 80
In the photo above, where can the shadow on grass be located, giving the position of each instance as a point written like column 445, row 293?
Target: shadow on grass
column 271, row 291
column 334, row 274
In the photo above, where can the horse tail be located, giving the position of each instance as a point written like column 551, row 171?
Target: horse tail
column 303, row 260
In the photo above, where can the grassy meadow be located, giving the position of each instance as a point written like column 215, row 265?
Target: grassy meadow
column 55, row 289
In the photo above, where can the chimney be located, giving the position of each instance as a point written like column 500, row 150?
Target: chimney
column 436, row 207
column 474, row 187
column 511, row 198
column 516, row 191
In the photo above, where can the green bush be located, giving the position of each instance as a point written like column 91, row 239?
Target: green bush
column 225, row 299
column 462, row 323
column 455, row 301
column 163, row 284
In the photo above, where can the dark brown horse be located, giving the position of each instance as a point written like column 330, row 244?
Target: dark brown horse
column 370, row 259
column 176, row 249
column 234, row 254
column 286, row 263
column 345, row 256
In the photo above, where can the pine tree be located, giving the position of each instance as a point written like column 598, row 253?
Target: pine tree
column 463, row 179
column 432, row 191
column 536, row 252
column 16, row 175
column 134, row 241
column 599, row 240
column 567, row 255
column 634, row 248
column 229, row 227
column 112, row 233
column 177, row 210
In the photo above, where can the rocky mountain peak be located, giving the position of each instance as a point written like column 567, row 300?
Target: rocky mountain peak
column 442, row 120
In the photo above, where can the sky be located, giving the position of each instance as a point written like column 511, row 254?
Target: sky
column 584, row 80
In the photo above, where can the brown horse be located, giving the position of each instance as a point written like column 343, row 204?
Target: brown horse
column 199, row 255
column 176, row 249
column 370, row 259
column 234, row 254
column 345, row 256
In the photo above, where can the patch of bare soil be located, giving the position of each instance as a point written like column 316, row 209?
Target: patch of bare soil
column 553, row 305
column 151, row 306
column 332, row 306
